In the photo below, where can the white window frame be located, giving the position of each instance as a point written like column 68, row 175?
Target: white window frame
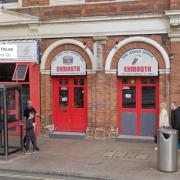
column 68, row 2
column 65, row 2
column 15, row 76
column 11, row 5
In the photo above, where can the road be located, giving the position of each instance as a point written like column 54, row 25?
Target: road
column 5, row 175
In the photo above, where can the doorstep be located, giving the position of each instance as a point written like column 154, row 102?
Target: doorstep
column 135, row 138
column 70, row 135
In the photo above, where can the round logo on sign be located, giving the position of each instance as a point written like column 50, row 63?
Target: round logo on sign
column 67, row 60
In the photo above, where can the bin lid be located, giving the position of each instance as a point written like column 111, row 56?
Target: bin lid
column 167, row 131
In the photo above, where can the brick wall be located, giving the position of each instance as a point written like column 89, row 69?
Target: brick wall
column 26, row 3
column 114, row 8
column 102, row 88
column 175, row 69
column 175, row 4
column 46, row 100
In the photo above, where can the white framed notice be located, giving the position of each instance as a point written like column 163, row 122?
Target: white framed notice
column 8, row 51
column 19, row 51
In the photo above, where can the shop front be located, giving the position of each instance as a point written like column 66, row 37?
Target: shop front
column 138, row 93
column 68, row 72
column 19, row 80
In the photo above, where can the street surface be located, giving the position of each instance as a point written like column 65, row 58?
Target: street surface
column 87, row 160
column 5, row 175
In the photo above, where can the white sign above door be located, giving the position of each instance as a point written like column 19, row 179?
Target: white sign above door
column 68, row 63
column 138, row 62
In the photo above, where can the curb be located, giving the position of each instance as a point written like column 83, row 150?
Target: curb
column 64, row 174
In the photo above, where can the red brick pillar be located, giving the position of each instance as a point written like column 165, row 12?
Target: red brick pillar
column 175, row 4
column 26, row 3
column 175, row 69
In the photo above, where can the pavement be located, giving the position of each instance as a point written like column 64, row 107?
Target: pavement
column 91, row 159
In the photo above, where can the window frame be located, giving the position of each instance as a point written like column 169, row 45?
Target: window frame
column 65, row 2
column 11, row 5
column 15, row 71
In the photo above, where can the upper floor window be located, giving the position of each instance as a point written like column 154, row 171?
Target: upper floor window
column 10, row 4
column 8, row 1
column 68, row 2
column 65, row 2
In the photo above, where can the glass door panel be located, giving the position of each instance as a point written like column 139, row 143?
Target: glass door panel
column 14, row 118
column 11, row 122
column 129, row 97
column 148, row 97
column 2, row 148
column 63, row 97
column 13, row 104
column 1, row 106
column 128, row 115
column 79, row 97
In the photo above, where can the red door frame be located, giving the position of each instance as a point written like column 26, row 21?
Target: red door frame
column 70, row 109
column 34, row 87
column 138, row 98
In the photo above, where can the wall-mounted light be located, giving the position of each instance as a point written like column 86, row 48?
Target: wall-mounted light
column 171, row 56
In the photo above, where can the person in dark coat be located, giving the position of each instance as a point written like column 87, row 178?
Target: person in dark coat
column 30, row 135
column 29, row 109
column 175, row 118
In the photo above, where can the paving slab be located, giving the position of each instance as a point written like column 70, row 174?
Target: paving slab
column 93, row 159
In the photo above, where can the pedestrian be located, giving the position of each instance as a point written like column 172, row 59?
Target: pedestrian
column 163, row 116
column 163, row 119
column 175, row 119
column 30, row 135
column 29, row 109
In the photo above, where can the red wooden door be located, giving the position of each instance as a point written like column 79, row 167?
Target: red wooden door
column 138, row 105
column 70, row 103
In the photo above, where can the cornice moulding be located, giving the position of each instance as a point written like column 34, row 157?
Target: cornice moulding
column 174, row 16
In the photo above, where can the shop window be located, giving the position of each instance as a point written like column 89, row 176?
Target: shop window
column 63, row 95
column 64, row 82
column 148, row 80
column 132, row 81
column 1, row 106
column 20, row 72
column 148, row 97
column 78, row 97
column 9, row 72
column 129, row 97
column 144, row 80
column 152, row 80
column 75, row 81
column 6, row 72
column 125, row 80
column 79, row 82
